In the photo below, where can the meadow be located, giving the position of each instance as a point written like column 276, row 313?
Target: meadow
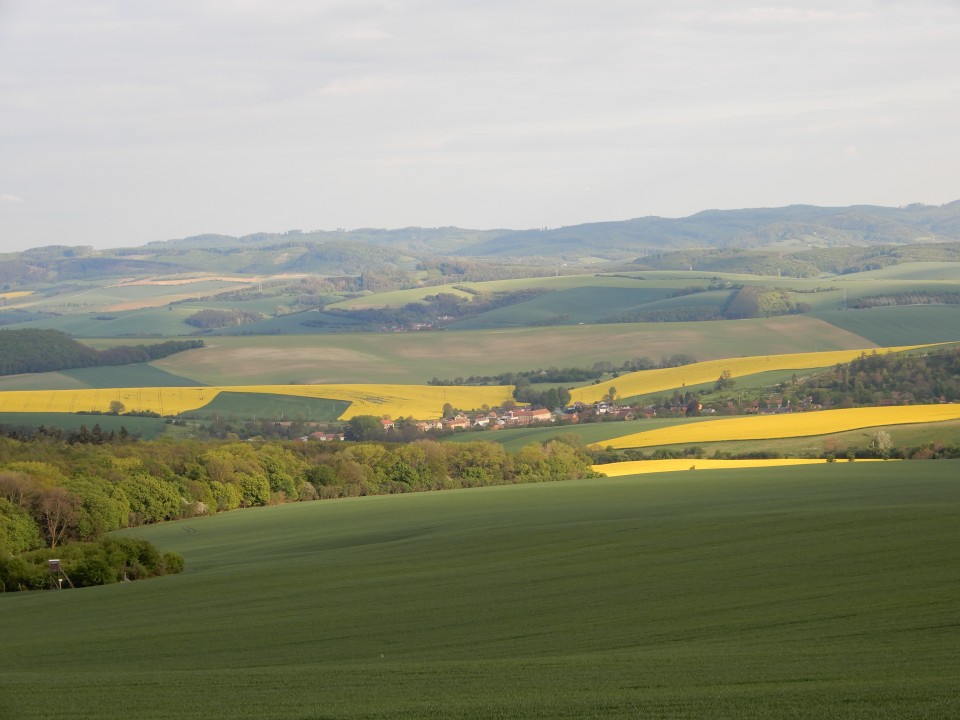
column 826, row 591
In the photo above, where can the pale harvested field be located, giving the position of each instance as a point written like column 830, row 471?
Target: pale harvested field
column 154, row 302
column 769, row 427
column 207, row 278
column 422, row 402
column 417, row 357
column 651, row 381
column 643, row 467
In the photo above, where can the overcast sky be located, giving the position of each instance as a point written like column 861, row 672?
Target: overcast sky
column 123, row 121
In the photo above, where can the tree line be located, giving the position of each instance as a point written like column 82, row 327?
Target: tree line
column 887, row 378
column 53, row 493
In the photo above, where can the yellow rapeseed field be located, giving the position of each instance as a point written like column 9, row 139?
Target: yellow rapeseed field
column 15, row 295
column 651, row 381
column 642, row 467
column 765, row 427
column 419, row 401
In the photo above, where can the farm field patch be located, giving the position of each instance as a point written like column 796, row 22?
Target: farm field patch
column 652, row 381
column 565, row 307
column 933, row 271
column 416, row 357
column 128, row 376
column 931, row 435
column 40, row 381
column 513, row 439
column 643, row 467
column 144, row 428
column 253, row 406
column 682, row 595
column 899, row 324
column 759, row 427
column 419, row 401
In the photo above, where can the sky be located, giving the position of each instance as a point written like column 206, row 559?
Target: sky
column 126, row 122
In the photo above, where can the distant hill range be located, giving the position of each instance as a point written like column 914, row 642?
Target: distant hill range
column 653, row 241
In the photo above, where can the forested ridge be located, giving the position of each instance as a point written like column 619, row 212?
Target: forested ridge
column 34, row 350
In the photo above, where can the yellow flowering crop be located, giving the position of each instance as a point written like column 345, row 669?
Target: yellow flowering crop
column 651, row 381
column 16, row 294
column 419, row 401
column 641, row 467
column 765, row 427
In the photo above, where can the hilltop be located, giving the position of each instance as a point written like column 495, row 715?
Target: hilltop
column 368, row 250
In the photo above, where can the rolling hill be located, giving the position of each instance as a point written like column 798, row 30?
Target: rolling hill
column 774, row 593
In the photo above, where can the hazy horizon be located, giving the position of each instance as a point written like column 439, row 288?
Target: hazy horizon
column 123, row 124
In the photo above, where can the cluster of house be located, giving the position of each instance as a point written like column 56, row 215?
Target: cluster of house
column 498, row 419
column 491, row 420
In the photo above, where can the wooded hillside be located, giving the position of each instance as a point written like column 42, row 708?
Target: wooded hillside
column 31, row 350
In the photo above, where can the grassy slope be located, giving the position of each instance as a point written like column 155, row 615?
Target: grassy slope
column 777, row 593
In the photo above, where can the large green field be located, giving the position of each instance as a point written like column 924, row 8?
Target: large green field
column 907, row 325
column 775, row 593
column 416, row 357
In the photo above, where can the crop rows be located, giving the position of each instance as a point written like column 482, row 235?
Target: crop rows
column 766, row 427
column 418, row 401
column 659, row 380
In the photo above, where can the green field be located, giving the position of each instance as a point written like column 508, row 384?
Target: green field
column 140, row 427
column 588, row 433
column 250, row 406
column 943, row 434
column 145, row 322
column 128, row 376
column 943, row 271
column 777, row 593
column 40, row 381
column 906, row 325
column 570, row 306
column 416, row 357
